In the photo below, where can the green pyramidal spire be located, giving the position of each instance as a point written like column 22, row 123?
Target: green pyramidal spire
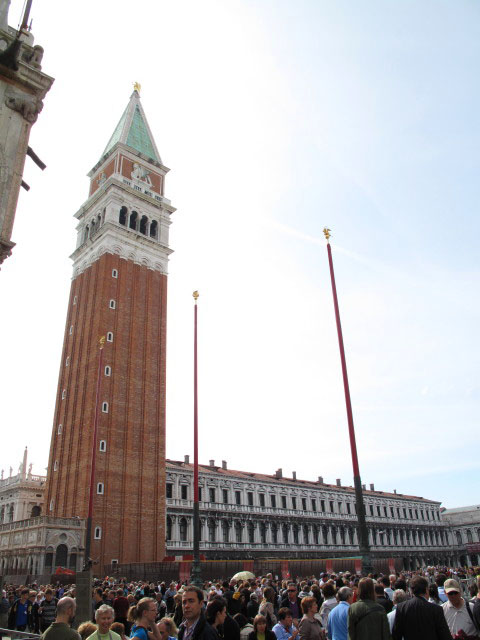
column 133, row 130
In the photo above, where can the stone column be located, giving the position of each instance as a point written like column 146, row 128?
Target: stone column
column 300, row 535
column 268, row 533
column 329, row 534
column 175, row 530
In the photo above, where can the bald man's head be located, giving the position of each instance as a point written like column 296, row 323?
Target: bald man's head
column 66, row 609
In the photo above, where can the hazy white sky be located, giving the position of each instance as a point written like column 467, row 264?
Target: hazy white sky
column 276, row 119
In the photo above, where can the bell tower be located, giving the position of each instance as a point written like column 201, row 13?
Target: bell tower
column 119, row 290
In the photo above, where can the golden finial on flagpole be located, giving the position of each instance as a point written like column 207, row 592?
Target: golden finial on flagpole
column 195, row 294
column 102, row 342
column 137, row 87
column 327, row 233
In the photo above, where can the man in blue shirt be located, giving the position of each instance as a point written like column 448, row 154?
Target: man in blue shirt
column 20, row 613
column 338, row 618
column 285, row 629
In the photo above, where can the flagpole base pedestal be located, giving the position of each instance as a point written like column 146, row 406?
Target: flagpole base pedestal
column 83, row 597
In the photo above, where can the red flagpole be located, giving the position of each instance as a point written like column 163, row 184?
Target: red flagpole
column 195, row 404
column 362, row 526
column 195, row 577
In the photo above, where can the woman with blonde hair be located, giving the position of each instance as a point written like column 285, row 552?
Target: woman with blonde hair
column 168, row 628
column 143, row 616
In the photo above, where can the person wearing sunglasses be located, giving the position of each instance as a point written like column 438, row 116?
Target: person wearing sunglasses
column 458, row 613
column 293, row 602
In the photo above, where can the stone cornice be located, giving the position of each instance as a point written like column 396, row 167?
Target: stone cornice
column 28, row 76
column 160, row 202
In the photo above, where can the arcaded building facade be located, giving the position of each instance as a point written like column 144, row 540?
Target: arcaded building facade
column 247, row 515
column 464, row 523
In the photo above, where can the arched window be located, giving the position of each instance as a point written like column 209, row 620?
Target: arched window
column 49, row 557
column 169, row 528
column 61, row 555
column 112, row 304
column 92, row 228
column 105, row 407
column 133, row 220
column 225, row 530
column 103, row 445
column 183, row 529
column 122, row 217
column 64, row 394
column 211, row 530
column 100, row 488
column 306, row 534
column 325, row 534
column 274, row 530
column 55, row 465
column 251, row 532
column 59, row 430
column 114, row 273
column 86, row 233
column 109, row 336
column 36, row 511
column 143, row 225
column 295, row 534
column 108, row 371
column 98, row 533
column 263, row 533
column 469, row 536
column 334, row 535
column 238, row 531
column 285, row 533
column 153, row 229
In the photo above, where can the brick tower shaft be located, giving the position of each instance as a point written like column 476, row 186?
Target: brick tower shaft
column 119, row 290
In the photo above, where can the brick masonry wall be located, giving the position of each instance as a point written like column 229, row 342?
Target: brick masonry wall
column 131, row 512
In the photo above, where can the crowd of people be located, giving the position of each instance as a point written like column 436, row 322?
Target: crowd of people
column 437, row 604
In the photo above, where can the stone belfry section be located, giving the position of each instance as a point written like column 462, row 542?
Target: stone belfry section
column 119, row 290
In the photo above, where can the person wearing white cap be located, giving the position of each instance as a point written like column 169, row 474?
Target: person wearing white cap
column 458, row 613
